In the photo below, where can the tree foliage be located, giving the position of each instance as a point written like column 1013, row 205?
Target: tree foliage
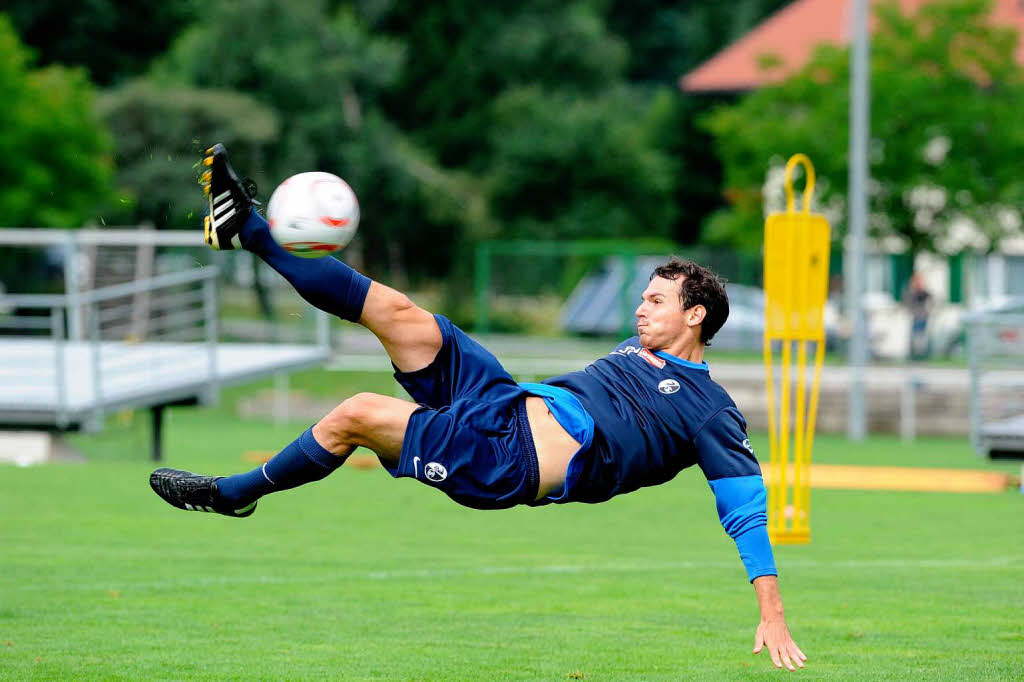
column 946, row 143
column 322, row 75
column 453, row 121
column 158, row 132
column 578, row 168
column 112, row 39
column 55, row 167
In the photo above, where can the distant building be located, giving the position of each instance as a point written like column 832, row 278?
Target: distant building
column 781, row 45
column 789, row 37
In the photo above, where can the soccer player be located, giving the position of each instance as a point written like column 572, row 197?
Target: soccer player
column 631, row 419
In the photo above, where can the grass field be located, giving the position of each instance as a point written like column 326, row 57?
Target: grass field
column 363, row 577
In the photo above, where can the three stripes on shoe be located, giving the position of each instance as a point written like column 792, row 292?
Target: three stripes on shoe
column 223, row 209
column 221, row 203
column 202, row 508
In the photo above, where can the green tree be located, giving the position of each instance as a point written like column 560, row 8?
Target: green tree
column 112, row 39
column 532, row 97
column 468, row 53
column 575, row 168
column 666, row 40
column 323, row 75
column 55, row 167
column 946, row 145
column 158, row 132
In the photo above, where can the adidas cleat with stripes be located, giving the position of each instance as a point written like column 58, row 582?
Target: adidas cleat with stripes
column 231, row 199
column 192, row 492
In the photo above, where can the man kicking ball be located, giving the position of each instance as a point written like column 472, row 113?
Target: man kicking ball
column 633, row 418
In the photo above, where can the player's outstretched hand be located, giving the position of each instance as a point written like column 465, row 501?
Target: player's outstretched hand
column 774, row 635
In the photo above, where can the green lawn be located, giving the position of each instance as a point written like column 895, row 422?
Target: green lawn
column 363, row 577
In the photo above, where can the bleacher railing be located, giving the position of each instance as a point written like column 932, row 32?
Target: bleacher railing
column 176, row 314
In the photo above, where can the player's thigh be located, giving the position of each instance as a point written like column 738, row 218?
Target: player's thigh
column 409, row 334
column 369, row 420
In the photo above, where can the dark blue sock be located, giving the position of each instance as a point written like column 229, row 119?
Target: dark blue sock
column 302, row 461
column 326, row 283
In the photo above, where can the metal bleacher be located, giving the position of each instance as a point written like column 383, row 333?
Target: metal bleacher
column 68, row 360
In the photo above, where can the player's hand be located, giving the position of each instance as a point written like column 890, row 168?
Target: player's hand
column 774, row 635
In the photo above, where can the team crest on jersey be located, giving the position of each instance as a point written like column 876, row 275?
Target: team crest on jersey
column 652, row 359
column 668, row 386
column 435, row 472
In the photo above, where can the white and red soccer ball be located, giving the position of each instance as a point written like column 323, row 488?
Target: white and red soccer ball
column 313, row 214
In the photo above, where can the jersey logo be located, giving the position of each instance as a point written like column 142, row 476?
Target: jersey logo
column 652, row 359
column 435, row 472
column 668, row 386
column 746, row 444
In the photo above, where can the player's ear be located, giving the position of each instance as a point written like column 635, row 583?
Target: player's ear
column 695, row 316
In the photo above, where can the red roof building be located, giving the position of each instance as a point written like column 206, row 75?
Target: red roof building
column 789, row 37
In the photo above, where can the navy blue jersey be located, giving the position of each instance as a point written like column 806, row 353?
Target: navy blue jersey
column 655, row 415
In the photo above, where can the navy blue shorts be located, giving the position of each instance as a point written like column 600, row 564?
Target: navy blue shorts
column 470, row 437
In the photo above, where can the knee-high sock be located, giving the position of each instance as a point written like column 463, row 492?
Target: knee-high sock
column 303, row 461
column 326, row 282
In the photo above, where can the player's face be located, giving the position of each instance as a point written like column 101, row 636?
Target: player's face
column 660, row 319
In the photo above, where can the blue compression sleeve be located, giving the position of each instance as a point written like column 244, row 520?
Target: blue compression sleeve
column 327, row 283
column 743, row 510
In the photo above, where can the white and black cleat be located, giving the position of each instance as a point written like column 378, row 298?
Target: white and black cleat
column 230, row 198
column 192, row 492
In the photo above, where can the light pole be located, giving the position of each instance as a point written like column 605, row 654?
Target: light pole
column 860, row 108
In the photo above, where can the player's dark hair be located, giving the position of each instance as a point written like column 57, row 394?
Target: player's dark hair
column 700, row 286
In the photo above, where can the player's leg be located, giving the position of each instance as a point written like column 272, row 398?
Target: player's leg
column 408, row 333
column 373, row 421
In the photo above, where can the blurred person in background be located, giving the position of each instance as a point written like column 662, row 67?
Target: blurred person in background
column 919, row 303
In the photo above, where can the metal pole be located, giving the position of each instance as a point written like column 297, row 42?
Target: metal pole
column 157, row 412
column 974, row 367
column 60, row 368
column 481, row 288
column 73, row 287
column 323, row 330
column 625, row 294
column 96, row 355
column 212, row 334
column 860, row 104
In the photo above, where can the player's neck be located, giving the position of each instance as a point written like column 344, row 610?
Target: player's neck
column 687, row 348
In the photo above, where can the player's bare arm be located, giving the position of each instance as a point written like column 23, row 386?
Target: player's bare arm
column 772, row 632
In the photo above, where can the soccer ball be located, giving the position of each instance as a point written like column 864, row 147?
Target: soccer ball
column 313, row 214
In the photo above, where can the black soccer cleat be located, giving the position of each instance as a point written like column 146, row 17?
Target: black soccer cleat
column 192, row 492
column 231, row 200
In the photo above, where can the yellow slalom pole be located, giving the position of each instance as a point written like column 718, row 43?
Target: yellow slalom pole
column 800, row 474
column 782, row 474
column 796, row 285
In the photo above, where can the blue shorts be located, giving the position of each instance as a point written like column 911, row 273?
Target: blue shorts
column 470, row 437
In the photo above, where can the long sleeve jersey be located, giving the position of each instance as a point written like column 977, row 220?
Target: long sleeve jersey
column 654, row 415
